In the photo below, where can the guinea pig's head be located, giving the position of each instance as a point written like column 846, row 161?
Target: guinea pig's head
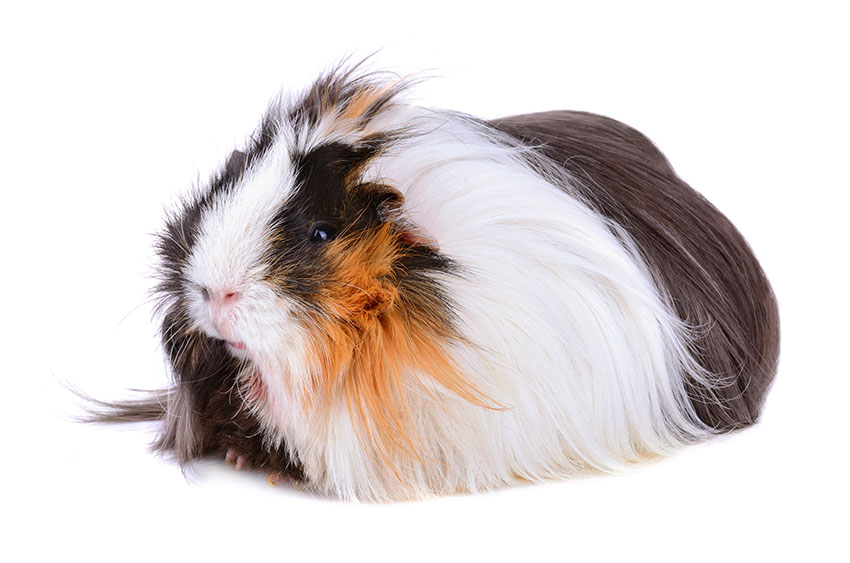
column 298, row 259
column 286, row 246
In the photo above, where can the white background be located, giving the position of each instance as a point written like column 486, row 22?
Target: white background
column 110, row 113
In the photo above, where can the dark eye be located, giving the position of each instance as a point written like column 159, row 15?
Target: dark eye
column 322, row 233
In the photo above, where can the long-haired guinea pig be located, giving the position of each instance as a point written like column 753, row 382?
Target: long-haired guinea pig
column 388, row 302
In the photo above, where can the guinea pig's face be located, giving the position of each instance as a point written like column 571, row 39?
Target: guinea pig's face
column 284, row 249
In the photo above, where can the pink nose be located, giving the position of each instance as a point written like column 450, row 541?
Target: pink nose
column 221, row 297
column 222, row 308
column 228, row 297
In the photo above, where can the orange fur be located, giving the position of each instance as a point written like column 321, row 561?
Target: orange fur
column 361, row 101
column 372, row 338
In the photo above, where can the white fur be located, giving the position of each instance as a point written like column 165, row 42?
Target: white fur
column 566, row 326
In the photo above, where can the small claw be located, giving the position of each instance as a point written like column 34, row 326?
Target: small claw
column 274, row 478
column 233, row 458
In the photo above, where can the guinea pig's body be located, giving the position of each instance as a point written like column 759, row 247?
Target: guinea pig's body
column 390, row 302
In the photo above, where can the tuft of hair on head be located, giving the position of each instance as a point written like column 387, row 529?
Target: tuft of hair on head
column 346, row 98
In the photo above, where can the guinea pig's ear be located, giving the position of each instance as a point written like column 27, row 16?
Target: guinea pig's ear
column 390, row 205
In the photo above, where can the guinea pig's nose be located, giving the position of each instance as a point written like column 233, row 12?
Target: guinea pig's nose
column 222, row 296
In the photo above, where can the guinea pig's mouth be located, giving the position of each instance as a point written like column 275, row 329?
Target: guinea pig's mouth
column 236, row 345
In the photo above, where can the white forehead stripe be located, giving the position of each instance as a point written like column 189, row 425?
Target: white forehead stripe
column 234, row 230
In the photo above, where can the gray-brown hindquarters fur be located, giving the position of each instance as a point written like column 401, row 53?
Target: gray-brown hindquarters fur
column 696, row 255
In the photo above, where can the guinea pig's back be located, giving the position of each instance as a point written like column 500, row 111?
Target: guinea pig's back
column 697, row 257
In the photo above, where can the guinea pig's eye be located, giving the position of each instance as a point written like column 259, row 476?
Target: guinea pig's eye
column 322, row 233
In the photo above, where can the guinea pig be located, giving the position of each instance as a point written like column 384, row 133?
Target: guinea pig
column 387, row 302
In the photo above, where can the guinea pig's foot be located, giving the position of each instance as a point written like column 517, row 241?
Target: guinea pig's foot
column 276, row 477
column 233, row 458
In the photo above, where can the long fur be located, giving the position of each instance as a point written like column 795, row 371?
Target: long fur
column 530, row 298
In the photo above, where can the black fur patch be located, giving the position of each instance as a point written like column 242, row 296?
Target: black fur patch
column 328, row 194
